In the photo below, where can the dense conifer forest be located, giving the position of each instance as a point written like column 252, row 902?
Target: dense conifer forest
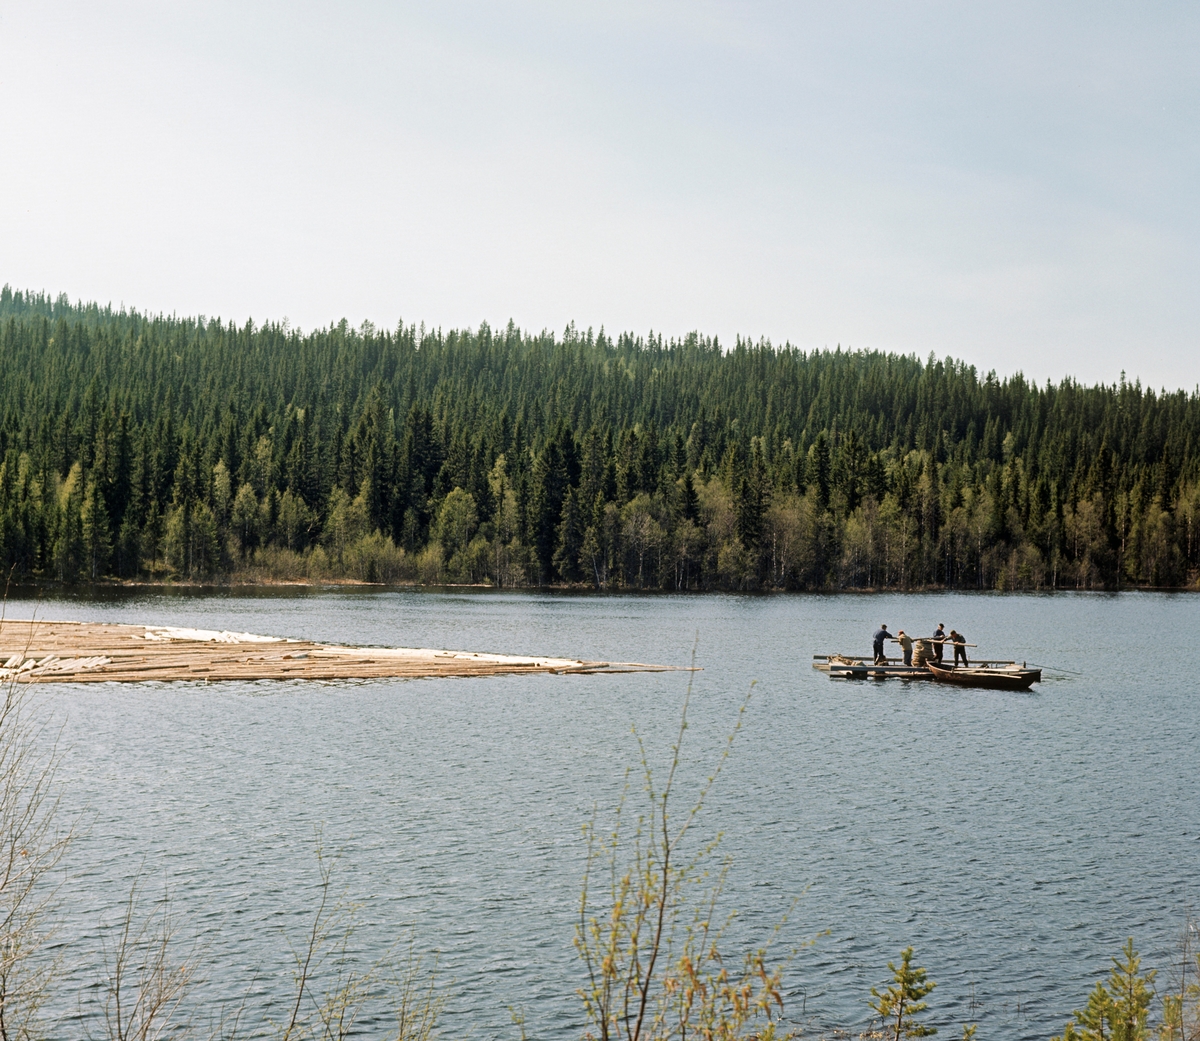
column 139, row 446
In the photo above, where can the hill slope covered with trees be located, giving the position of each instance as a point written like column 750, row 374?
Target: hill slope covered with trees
column 134, row 445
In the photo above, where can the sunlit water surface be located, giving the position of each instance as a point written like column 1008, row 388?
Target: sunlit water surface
column 1014, row 840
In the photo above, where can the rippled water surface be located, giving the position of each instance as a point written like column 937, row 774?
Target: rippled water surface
column 1014, row 840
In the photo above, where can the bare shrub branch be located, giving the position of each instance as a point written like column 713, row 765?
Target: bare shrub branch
column 144, row 987
column 651, row 945
column 31, row 845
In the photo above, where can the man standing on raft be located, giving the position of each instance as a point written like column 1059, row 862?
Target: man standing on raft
column 938, row 639
column 881, row 634
column 960, row 647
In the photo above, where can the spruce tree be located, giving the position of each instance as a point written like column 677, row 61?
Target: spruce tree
column 1118, row 1010
column 903, row 1000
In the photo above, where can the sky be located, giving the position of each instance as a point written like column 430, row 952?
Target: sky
column 1016, row 185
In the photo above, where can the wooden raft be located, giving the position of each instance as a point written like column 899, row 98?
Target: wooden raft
column 94, row 652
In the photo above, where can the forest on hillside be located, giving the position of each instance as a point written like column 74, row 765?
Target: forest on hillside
column 154, row 447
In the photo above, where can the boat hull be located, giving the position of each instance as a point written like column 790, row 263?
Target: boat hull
column 989, row 679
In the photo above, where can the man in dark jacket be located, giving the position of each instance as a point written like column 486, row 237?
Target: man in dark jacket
column 938, row 637
column 960, row 647
column 881, row 634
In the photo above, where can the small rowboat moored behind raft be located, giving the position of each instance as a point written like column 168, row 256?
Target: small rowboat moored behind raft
column 1010, row 678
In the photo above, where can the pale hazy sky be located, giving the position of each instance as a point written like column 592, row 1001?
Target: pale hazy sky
column 1014, row 184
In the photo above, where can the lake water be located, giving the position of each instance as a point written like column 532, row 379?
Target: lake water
column 1015, row 840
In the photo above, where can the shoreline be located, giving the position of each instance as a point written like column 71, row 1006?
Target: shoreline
column 235, row 583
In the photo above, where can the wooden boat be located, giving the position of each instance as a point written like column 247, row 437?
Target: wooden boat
column 1011, row 677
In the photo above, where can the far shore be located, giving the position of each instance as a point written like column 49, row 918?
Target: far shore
column 238, row 581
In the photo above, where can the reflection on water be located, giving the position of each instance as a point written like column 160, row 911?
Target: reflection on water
column 1014, row 839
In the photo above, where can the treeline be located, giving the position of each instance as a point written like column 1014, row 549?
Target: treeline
column 149, row 446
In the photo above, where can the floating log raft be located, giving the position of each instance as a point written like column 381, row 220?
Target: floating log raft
column 95, row 652
column 846, row 667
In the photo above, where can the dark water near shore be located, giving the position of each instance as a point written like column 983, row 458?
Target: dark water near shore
column 1014, row 840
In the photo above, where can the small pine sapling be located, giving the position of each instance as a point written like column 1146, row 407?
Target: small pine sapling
column 1132, row 992
column 1120, row 1010
column 902, row 1001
